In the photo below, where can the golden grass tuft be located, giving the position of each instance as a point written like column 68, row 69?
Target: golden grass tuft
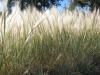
column 31, row 41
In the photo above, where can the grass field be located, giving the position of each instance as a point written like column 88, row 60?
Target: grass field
column 34, row 43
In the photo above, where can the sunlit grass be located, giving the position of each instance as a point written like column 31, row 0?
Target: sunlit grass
column 39, row 43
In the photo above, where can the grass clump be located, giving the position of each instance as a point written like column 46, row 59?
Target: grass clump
column 57, row 44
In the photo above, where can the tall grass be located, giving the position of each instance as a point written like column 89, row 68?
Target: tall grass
column 50, row 43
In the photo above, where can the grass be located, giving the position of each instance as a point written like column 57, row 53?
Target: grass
column 34, row 43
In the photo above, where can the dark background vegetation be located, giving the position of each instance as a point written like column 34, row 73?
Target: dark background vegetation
column 42, row 5
column 93, row 4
